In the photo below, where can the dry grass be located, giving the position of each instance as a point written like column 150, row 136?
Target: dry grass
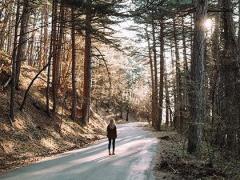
column 34, row 135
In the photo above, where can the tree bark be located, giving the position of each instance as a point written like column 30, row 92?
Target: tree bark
column 14, row 59
column 174, row 123
column 52, row 53
column 152, row 79
column 162, row 64
column 156, row 115
column 231, row 77
column 217, row 84
column 57, row 48
column 10, row 34
column 45, row 38
column 167, row 100
column 186, row 71
column 4, row 26
column 127, row 114
column 22, row 45
column 31, row 46
column 87, row 66
column 74, row 90
column 197, row 78
column 178, row 113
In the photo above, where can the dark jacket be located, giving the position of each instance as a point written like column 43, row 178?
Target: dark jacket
column 112, row 133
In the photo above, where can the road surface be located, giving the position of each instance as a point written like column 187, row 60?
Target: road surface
column 135, row 150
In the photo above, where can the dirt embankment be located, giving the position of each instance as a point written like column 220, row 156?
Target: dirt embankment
column 34, row 135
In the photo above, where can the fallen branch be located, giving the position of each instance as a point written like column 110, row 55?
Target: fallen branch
column 7, row 83
column 30, row 85
column 175, row 171
column 10, row 120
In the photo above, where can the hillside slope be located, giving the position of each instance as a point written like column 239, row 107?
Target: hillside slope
column 34, row 135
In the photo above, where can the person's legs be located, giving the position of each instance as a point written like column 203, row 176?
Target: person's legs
column 109, row 145
column 113, row 146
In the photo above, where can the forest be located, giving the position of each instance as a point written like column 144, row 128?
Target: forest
column 67, row 67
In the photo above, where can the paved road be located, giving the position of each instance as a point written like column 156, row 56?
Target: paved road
column 135, row 149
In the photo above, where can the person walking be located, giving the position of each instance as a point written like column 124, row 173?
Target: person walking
column 112, row 135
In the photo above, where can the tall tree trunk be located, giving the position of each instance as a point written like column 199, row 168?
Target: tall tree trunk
column 40, row 55
column 10, row 34
column 156, row 115
column 197, row 78
column 152, row 79
column 14, row 56
column 48, row 81
column 192, row 35
column 87, row 66
column 22, row 45
column 74, row 90
column 45, row 38
column 238, row 23
column 127, row 114
column 52, row 54
column 4, row 25
column 217, row 84
column 167, row 100
column 186, row 73
column 174, row 123
column 162, row 64
column 178, row 109
column 31, row 45
column 57, row 47
column 230, row 76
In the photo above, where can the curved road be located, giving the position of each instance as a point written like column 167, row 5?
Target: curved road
column 135, row 149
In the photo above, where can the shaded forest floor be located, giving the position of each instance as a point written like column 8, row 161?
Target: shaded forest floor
column 173, row 163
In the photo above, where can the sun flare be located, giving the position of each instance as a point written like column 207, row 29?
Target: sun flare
column 208, row 24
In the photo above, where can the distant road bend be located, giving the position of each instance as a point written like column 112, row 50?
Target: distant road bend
column 135, row 150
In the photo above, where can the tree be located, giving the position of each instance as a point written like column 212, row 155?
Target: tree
column 162, row 64
column 178, row 110
column 153, row 107
column 156, row 116
column 74, row 90
column 87, row 65
column 230, row 77
column 57, row 52
column 14, row 59
column 23, row 38
column 197, row 78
